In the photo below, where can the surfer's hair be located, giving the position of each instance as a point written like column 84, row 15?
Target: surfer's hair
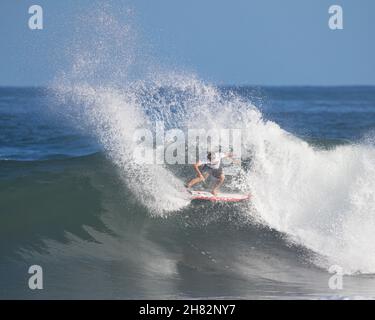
column 209, row 156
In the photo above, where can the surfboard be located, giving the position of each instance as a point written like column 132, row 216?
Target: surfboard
column 223, row 197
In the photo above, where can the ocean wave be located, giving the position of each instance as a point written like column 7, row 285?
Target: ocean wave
column 322, row 199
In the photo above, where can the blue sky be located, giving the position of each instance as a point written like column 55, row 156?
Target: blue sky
column 258, row 42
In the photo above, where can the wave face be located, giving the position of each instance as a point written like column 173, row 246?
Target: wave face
column 310, row 169
column 323, row 199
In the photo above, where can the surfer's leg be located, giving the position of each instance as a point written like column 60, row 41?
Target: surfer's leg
column 220, row 181
column 196, row 180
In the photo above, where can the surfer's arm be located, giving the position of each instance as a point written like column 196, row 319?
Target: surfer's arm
column 231, row 156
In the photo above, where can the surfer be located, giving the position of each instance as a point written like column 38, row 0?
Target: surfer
column 210, row 166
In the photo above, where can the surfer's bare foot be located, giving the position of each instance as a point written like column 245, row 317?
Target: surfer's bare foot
column 214, row 192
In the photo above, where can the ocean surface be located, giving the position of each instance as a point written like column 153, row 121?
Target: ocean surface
column 100, row 225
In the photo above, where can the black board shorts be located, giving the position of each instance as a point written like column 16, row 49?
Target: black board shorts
column 214, row 172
